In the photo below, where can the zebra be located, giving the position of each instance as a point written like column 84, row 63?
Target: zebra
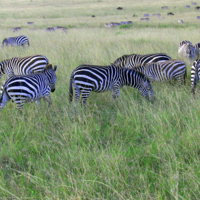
column 195, row 75
column 134, row 60
column 22, row 89
column 186, row 51
column 23, row 66
column 165, row 71
column 87, row 78
column 197, row 48
column 21, row 40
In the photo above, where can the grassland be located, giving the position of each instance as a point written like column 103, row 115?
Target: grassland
column 128, row 149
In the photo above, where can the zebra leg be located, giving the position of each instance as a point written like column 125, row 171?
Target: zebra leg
column 116, row 93
column 85, row 96
column 38, row 102
column 48, row 98
column 4, row 99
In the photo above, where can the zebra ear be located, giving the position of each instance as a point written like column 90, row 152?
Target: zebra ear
column 55, row 67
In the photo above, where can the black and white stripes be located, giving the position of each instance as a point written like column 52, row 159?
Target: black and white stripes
column 22, row 89
column 195, row 74
column 134, row 60
column 21, row 40
column 23, row 66
column 87, row 78
column 165, row 71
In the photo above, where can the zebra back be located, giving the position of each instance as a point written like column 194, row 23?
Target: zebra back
column 166, row 70
column 134, row 60
column 24, row 65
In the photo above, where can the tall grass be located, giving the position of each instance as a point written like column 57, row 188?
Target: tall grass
column 112, row 149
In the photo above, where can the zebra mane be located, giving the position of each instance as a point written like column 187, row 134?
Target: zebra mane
column 185, row 42
column 122, row 58
column 48, row 66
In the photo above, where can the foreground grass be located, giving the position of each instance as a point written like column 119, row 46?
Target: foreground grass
column 122, row 149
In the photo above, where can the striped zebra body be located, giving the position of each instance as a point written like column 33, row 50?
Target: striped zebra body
column 22, row 89
column 87, row 78
column 134, row 60
column 195, row 74
column 16, row 41
column 23, row 66
column 165, row 71
column 186, row 51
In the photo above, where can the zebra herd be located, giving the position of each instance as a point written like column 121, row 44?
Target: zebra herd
column 134, row 70
column 32, row 78
column 29, row 79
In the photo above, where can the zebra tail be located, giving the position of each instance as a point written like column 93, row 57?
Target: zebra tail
column 71, row 89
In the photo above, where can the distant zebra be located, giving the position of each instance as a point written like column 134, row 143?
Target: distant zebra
column 16, row 41
column 197, row 50
column 22, row 89
column 23, row 66
column 195, row 74
column 134, row 60
column 186, row 51
column 164, row 71
column 87, row 78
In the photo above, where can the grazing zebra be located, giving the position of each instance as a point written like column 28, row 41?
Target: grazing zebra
column 195, row 74
column 16, row 41
column 164, row 71
column 134, row 60
column 186, row 51
column 197, row 48
column 22, row 89
column 23, row 66
column 87, row 78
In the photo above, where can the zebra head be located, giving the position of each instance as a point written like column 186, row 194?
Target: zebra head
column 5, row 42
column 51, row 75
column 146, row 89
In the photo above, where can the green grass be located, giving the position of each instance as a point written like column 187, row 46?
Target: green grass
column 112, row 149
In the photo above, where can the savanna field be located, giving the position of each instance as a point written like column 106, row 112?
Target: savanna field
column 112, row 149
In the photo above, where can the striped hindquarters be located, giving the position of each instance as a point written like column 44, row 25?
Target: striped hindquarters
column 195, row 74
column 165, row 71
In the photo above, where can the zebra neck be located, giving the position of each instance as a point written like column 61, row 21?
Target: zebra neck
column 3, row 66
